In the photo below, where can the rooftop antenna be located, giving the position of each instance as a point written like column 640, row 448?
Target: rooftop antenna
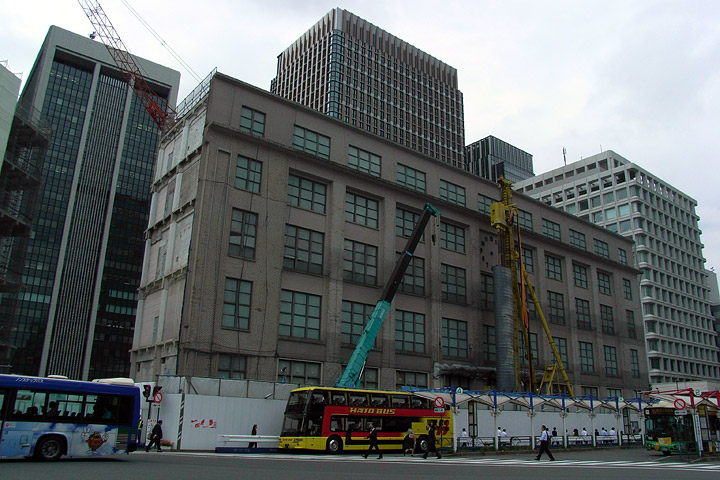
column 564, row 157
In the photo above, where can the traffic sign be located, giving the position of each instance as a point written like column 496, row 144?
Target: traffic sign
column 680, row 404
column 439, row 402
column 459, row 391
column 157, row 398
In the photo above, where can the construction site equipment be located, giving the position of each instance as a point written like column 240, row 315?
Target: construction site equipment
column 502, row 217
column 353, row 371
column 158, row 108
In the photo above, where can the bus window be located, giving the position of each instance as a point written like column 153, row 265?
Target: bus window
column 400, row 401
column 337, row 423
column 358, row 399
column 338, row 398
column 318, row 400
column 398, row 424
column 28, row 404
column 418, row 402
column 297, row 402
column 377, row 423
column 378, row 400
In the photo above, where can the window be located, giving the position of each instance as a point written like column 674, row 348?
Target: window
column 360, row 263
column 551, row 229
column 604, row 283
column 611, row 363
column 524, row 220
column 484, row 204
column 453, row 283
column 236, row 304
column 606, row 319
column 243, row 234
column 553, row 268
column 577, row 239
column 294, row 371
column 489, row 345
column 601, row 248
column 634, row 363
column 452, row 237
column 622, row 256
column 369, row 379
column 361, row 210
column 231, row 366
column 522, row 351
column 487, row 292
column 627, row 289
column 405, row 222
column 410, row 178
column 410, row 379
column 248, row 173
column 311, row 142
column 630, row 320
column 556, row 314
column 452, row 193
column 364, row 161
column 454, row 338
column 587, row 364
column 409, row 331
column 299, row 315
column 580, row 275
column 354, row 317
column 590, row 391
column 303, row 249
column 306, row 194
column 528, row 260
column 614, row 392
column 413, row 281
column 582, row 308
column 252, row 121
column 169, row 198
column 561, row 345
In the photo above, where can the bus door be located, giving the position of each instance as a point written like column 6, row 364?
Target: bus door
column 4, row 400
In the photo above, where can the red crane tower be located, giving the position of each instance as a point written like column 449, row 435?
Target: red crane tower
column 157, row 107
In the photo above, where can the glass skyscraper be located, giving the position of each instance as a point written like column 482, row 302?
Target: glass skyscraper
column 84, row 259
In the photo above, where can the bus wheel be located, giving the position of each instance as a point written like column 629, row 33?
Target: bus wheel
column 334, row 445
column 49, row 448
column 422, row 445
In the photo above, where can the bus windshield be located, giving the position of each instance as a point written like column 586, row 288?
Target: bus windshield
column 678, row 427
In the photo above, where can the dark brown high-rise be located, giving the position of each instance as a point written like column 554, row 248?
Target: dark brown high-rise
column 352, row 70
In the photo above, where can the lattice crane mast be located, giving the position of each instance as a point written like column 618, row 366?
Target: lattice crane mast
column 160, row 111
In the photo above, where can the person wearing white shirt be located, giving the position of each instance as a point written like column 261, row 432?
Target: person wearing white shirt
column 544, row 444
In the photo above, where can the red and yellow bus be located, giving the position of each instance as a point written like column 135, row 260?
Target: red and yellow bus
column 336, row 419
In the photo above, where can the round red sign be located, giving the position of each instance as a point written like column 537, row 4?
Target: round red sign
column 157, row 397
column 680, row 404
column 439, row 402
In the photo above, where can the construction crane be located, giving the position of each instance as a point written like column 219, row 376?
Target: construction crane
column 502, row 217
column 354, row 369
column 160, row 111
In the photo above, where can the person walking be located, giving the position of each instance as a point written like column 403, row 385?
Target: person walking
column 155, row 437
column 409, row 443
column 254, row 432
column 544, row 444
column 431, row 442
column 373, row 442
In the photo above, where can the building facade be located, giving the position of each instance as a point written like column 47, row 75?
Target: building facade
column 492, row 158
column 274, row 227
column 76, row 314
column 611, row 191
column 352, row 70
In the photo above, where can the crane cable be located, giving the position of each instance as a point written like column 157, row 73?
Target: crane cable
column 172, row 52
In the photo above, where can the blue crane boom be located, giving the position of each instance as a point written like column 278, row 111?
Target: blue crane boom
column 355, row 365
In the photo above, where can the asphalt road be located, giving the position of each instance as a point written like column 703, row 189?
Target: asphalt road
column 636, row 464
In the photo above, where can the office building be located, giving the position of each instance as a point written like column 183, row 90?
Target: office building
column 492, row 158
column 274, row 228
column 352, row 70
column 24, row 136
column 613, row 192
column 76, row 315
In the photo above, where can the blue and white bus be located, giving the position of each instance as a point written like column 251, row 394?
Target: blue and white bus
column 47, row 418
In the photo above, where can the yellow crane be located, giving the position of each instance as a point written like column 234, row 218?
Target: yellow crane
column 502, row 217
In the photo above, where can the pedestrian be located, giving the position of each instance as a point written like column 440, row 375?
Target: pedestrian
column 555, row 440
column 464, row 437
column 544, row 444
column 253, row 432
column 373, row 442
column 431, row 442
column 409, row 443
column 155, row 437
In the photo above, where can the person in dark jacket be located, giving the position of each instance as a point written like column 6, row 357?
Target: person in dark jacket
column 373, row 442
column 155, row 437
column 254, row 432
column 431, row 442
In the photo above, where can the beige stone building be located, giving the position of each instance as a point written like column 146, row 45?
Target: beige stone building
column 274, row 228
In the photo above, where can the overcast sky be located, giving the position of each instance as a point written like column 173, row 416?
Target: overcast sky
column 639, row 77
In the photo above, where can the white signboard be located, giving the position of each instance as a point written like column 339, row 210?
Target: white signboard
column 698, row 434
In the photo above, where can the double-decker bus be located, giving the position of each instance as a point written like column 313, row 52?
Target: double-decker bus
column 336, row 419
column 47, row 418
